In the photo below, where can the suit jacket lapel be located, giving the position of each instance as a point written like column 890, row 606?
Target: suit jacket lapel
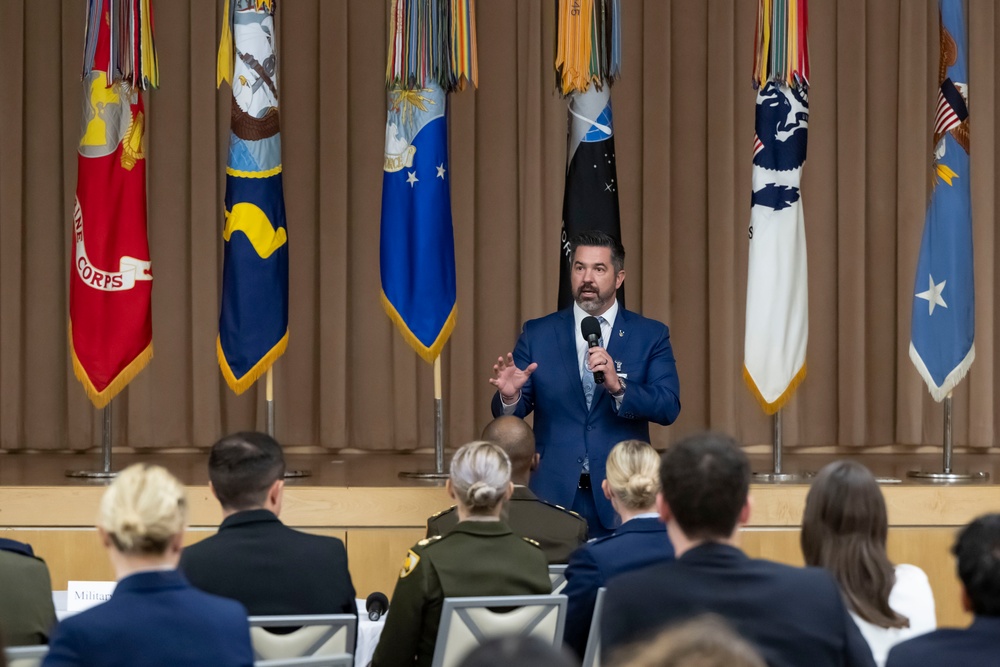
column 619, row 341
column 567, row 344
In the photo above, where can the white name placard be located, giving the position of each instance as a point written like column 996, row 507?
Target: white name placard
column 82, row 595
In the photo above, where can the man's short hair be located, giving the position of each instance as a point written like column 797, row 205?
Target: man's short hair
column 978, row 552
column 598, row 239
column 514, row 436
column 705, row 479
column 242, row 467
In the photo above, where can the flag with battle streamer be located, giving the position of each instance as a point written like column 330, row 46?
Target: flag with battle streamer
column 110, row 290
column 777, row 306
column 588, row 61
column 943, row 324
column 253, row 322
column 432, row 52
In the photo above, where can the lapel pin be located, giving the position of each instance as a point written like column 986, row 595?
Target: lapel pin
column 621, row 333
column 618, row 366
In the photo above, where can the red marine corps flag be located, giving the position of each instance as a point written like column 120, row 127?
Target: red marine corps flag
column 111, row 329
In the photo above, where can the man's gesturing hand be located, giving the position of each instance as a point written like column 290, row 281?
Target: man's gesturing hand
column 509, row 379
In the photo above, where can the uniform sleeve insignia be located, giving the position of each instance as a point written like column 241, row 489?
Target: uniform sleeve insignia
column 531, row 541
column 410, row 563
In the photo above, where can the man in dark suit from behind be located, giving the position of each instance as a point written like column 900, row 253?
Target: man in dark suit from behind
column 557, row 530
column 978, row 552
column 793, row 616
column 255, row 558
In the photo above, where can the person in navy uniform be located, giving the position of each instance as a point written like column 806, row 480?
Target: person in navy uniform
column 631, row 486
column 479, row 556
column 557, row 530
column 978, row 552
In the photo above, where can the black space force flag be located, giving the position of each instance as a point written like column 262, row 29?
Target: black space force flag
column 590, row 201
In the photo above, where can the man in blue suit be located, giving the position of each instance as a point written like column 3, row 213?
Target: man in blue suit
column 794, row 616
column 551, row 373
column 978, row 552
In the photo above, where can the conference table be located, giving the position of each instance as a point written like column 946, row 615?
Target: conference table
column 369, row 631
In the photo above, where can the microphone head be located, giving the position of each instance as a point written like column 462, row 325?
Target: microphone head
column 590, row 327
column 376, row 605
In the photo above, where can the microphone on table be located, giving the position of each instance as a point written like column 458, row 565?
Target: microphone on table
column 591, row 330
column 376, row 605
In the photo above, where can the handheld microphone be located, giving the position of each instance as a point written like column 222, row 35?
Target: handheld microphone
column 591, row 330
column 376, row 605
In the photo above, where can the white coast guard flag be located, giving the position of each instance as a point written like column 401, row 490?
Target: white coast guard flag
column 777, row 324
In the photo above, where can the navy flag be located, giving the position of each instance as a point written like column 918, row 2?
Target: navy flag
column 944, row 319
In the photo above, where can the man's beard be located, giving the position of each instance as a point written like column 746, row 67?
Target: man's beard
column 595, row 304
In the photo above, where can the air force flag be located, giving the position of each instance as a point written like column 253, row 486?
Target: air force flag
column 777, row 324
column 943, row 324
column 417, row 242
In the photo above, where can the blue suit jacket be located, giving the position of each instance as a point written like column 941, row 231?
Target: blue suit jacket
column 565, row 431
column 794, row 616
column 979, row 644
column 155, row 619
column 636, row 543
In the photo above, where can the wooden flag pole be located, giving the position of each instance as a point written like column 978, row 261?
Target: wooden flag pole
column 106, row 433
column 947, row 474
column 438, row 472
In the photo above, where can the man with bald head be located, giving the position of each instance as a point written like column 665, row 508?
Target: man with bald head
column 558, row 531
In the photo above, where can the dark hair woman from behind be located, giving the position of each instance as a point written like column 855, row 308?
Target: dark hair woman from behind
column 844, row 529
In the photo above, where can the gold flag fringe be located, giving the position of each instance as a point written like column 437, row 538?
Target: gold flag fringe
column 778, row 403
column 103, row 397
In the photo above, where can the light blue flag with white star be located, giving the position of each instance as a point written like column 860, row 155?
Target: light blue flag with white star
column 417, row 242
column 943, row 324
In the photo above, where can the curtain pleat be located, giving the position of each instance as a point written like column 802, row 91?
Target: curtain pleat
column 683, row 116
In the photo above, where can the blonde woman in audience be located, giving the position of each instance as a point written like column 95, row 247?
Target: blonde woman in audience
column 155, row 618
column 844, row 529
column 479, row 556
column 632, row 482
column 705, row 641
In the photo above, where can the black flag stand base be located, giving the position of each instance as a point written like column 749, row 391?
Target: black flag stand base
column 439, row 472
column 776, row 476
column 105, row 472
column 948, row 475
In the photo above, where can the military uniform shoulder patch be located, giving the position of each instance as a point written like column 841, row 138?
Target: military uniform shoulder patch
column 409, row 564
column 560, row 507
column 531, row 541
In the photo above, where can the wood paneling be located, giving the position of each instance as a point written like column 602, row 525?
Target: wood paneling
column 376, row 556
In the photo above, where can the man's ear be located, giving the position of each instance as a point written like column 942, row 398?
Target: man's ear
column 275, row 495
column 744, row 517
column 620, row 278
column 534, row 461
column 662, row 508
column 966, row 601
column 211, row 487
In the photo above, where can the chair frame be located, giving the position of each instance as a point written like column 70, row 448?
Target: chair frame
column 459, row 605
column 592, row 654
column 557, row 575
column 26, row 653
column 338, row 660
column 335, row 621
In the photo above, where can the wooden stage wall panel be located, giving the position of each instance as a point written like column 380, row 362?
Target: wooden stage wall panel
column 378, row 525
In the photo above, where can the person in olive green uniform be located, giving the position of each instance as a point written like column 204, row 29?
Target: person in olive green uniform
column 558, row 531
column 479, row 556
column 27, row 614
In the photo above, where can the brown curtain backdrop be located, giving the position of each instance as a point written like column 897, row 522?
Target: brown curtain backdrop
column 684, row 127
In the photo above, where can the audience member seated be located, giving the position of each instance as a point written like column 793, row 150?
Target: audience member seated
column 633, row 480
column 26, row 610
column 978, row 552
column 793, row 616
column 844, row 529
column 557, row 530
column 705, row 641
column 517, row 652
column 155, row 618
column 479, row 556
column 255, row 558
